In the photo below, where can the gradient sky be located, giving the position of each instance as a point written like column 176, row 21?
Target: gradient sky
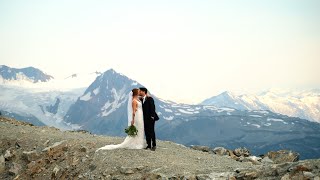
column 183, row 50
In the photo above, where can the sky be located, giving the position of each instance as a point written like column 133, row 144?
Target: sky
column 181, row 50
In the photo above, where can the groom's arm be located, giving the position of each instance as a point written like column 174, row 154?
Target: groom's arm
column 152, row 108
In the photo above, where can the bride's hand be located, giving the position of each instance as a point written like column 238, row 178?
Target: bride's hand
column 132, row 122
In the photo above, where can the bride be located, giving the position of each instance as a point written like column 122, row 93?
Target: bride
column 135, row 117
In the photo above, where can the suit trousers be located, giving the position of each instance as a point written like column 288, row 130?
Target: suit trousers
column 149, row 132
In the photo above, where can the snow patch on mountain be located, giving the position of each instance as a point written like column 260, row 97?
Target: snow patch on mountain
column 185, row 112
column 170, row 118
column 119, row 100
column 275, row 120
column 257, row 116
column 86, row 97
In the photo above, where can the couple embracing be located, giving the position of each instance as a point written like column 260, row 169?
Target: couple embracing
column 141, row 114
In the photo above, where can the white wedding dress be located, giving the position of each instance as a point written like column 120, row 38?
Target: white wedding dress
column 136, row 142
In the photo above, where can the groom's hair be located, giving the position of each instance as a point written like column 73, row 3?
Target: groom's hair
column 145, row 90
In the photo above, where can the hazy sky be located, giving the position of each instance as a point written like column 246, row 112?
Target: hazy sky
column 185, row 50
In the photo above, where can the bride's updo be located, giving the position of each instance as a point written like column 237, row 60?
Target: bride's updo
column 135, row 92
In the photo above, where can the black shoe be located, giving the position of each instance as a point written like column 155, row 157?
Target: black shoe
column 153, row 148
column 147, row 148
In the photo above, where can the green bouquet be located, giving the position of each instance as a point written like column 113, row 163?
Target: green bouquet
column 131, row 131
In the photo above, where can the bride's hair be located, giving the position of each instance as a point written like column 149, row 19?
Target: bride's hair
column 135, row 92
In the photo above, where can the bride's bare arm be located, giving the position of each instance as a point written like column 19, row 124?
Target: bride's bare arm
column 134, row 109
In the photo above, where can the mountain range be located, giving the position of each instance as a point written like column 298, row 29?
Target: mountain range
column 101, row 109
column 30, row 74
column 302, row 104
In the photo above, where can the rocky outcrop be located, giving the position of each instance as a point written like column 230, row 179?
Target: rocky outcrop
column 221, row 151
column 283, row 156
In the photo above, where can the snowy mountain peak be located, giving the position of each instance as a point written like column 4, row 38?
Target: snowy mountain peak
column 303, row 104
column 29, row 74
column 223, row 99
column 106, row 95
column 227, row 94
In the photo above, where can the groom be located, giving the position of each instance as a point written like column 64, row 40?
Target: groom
column 149, row 115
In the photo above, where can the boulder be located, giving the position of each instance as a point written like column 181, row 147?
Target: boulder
column 203, row 177
column 250, row 173
column 8, row 155
column 242, row 152
column 253, row 159
column 35, row 167
column 283, row 156
column 56, row 172
column 202, row 148
column 83, row 149
column 221, row 151
column 233, row 156
column 30, row 155
column 55, row 145
column 266, row 160
column 14, row 169
column 127, row 170
column 56, row 150
column 189, row 176
column 152, row 176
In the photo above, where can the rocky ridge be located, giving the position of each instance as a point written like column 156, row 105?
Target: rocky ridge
column 31, row 152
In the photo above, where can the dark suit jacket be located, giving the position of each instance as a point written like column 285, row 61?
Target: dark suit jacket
column 149, row 109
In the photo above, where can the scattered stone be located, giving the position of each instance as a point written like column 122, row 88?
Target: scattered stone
column 75, row 161
column 30, row 155
column 35, row 167
column 84, row 159
column 2, row 164
column 53, row 146
column 221, row 151
column 55, row 172
column 152, row 176
column 233, row 156
column 286, row 177
column 189, row 176
column 126, row 170
column 8, row 155
column 266, row 160
column 247, row 173
column 308, row 174
column 251, row 159
column 283, row 156
column 17, row 177
column 56, row 150
column 201, row 148
column 242, row 152
column 203, row 177
column 17, row 145
column 140, row 168
column 14, row 169
column 46, row 143
column 83, row 149
column 224, row 175
column 92, row 167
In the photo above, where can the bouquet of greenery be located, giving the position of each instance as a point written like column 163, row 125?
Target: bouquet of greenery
column 131, row 131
